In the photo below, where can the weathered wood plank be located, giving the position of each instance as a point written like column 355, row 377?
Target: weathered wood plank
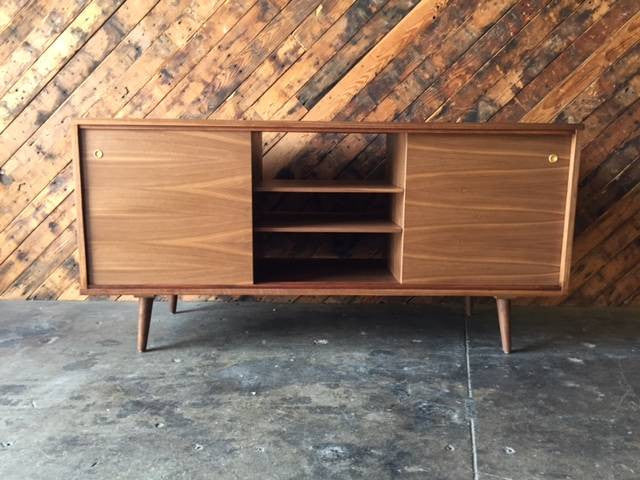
column 615, row 134
column 613, row 178
column 296, row 45
column 420, row 17
column 72, row 292
column 622, row 290
column 610, row 272
column 278, row 95
column 18, row 260
column 602, row 227
column 504, row 71
column 47, row 22
column 589, row 265
column 45, row 67
column 611, row 108
column 612, row 80
column 49, row 150
column 330, row 73
column 616, row 45
column 429, row 54
column 198, row 96
column 38, row 271
column 563, row 52
column 24, row 22
column 35, row 213
column 146, row 66
column 182, row 62
column 432, row 100
column 11, row 12
column 280, row 101
column 512, row 60
column 59, row 281
column 81, row 66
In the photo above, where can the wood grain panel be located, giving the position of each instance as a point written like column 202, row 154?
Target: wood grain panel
column 166, row 206
column 485, row 210
column 409, row 60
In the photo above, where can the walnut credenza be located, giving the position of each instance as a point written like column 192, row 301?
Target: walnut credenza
column 197, row 207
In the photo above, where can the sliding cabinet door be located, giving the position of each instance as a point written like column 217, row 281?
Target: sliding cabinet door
column 486, row 210
column 165, row 206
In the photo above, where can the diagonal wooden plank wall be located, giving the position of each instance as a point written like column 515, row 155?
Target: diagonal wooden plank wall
column 429, row 60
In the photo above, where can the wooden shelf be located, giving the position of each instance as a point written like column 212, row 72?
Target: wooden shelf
column 327, row 186
column 323, row 271
column 324, row 223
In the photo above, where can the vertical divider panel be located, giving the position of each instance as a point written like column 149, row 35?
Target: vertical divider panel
column 256, row 158
column 256, row 179
column 397, row 152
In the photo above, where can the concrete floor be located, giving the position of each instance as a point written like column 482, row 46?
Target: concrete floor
column 246, row 390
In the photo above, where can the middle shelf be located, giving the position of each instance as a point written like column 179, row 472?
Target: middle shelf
column 327, row 186
column 324, row 223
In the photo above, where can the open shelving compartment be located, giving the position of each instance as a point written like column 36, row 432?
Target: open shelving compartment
column 326, row 232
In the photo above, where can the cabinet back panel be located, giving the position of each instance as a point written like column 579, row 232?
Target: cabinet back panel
column 485, row 210
column 166, row 206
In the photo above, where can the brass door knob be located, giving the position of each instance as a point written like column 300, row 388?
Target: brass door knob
column 553, row 158
column 98, row 153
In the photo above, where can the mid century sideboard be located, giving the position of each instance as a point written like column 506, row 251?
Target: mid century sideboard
column 193, row 207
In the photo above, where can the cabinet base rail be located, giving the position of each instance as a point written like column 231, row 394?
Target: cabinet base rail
column 145, row 306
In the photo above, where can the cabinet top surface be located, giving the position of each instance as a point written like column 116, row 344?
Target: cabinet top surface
column 343, row 127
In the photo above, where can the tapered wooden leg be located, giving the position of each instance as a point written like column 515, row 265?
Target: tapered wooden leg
column 173, row 303
column 504, row 307
column 468, row 306
column 145, row 305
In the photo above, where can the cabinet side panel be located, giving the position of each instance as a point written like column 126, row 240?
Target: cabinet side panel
column 79, row 196
column 570, row 212
column 167, row 207
column 485, row 211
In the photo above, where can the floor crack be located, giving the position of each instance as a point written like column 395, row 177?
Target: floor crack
column 471, row 410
